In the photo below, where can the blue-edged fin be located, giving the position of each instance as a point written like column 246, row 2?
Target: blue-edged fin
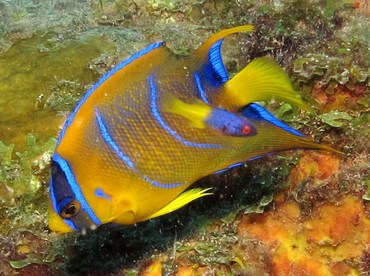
column 276, row 134
column 256, row 112
column 183, row 199
column 262, row 79
column 210, row 67
column 221, row 35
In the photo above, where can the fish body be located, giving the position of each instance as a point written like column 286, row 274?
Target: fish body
column 154, row 125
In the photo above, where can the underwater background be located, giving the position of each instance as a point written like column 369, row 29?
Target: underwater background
column 293, row 213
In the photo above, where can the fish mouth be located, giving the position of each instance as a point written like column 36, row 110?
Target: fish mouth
column 56, row 224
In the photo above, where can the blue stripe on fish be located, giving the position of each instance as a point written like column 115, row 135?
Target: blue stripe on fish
column 258, row 156
column 157, row 116
column 161, row 185
column 112, row 144
column 118, row 67
column 100, row 193
column 201, row 91
column 257, row 112
column 229, row 167
column 109, row 140
column 75, row 187
column 213, row 70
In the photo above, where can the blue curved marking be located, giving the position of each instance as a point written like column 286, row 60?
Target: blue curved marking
column 52, row 197
column 103, row 79
column 113, row 145
column 109, row 140
column 229, row 167
column 160, row 185
column 213, row 70
column 260, row 156
column 201, row 91
column 75, row 187
column 257, row 112
column 157, row 116
column 100, row 193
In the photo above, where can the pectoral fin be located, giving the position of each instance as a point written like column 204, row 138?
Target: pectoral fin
column 196, row 112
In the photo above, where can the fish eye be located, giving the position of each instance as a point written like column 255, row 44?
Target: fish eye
column 246, row 130
column 71, row 209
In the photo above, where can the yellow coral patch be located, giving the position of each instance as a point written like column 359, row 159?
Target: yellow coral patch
column 318, row 245
column 317, row 167
column 153, row 268
column 340, row 230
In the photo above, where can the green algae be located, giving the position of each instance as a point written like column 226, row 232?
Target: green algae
column 259, row 209
column 336, row 118
column 19, row 170
column 365, row 101
column 329, row 68
column 28, row 72
column 32, row 259
column 64, row 96
column 6, row 153
column 366, row 196
column 35, row 70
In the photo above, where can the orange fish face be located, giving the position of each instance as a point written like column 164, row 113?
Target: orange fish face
column 69, row 210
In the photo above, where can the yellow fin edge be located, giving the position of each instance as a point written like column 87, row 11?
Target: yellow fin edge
column 222, row 34
column 183, row 199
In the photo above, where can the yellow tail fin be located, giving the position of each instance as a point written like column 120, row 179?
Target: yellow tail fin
column 262, row 79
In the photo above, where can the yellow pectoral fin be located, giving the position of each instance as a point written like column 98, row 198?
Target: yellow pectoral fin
column 262, row 79
column 181, row 201
column 196, row 112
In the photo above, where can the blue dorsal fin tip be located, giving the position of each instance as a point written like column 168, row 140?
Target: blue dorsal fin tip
column 213, row 71
column 256, row 112
column 107, row 75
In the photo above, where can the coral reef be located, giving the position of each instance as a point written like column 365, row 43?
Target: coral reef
column 297, row 213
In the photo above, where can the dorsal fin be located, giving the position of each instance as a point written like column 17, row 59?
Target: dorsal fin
column 212, row 70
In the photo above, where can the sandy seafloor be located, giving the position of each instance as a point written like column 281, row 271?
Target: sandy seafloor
column 293, row 213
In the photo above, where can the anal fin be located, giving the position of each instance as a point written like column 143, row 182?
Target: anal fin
column 180, row 201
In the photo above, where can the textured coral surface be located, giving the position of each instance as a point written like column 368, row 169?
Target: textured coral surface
column 293, row 213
